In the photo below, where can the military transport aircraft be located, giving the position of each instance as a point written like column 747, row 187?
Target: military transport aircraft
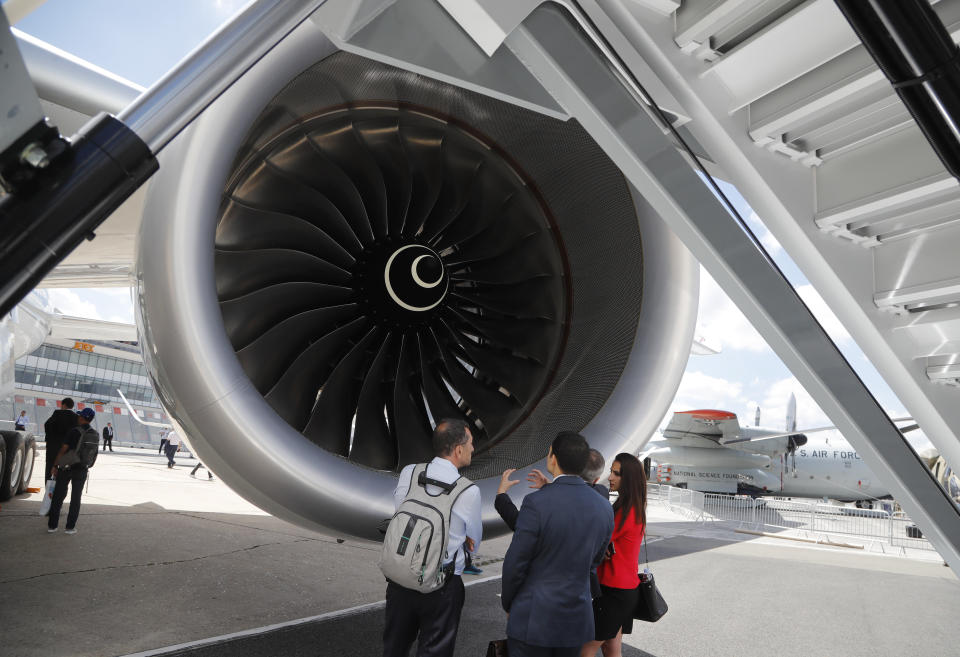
column 709, row 451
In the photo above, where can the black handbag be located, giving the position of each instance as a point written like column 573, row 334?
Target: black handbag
column 650, row 605
column 497, row 648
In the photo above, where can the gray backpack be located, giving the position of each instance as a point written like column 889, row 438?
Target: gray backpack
column 415, row 543
column 87, row 448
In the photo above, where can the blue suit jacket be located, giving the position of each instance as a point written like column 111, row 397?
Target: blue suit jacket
column 562, row 533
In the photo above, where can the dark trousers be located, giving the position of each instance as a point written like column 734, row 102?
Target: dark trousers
column 517, row 648
column 435, row 616
column 108, row 442
column 171, row 450
column 53, row 448
column 75, row 477
column 163, row 441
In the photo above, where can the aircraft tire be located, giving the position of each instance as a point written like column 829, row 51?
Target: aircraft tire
column 13, row 466
column 29, row 461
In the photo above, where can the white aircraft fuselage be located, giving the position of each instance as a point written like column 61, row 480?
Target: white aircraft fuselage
column 825, row 468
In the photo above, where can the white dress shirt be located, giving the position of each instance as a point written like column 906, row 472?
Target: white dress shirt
column 173, row 438
column 465, row 517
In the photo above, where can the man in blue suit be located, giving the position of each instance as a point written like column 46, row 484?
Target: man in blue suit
column 562, row 533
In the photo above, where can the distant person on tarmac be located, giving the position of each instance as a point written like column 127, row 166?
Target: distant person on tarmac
column 73, row 475
column 108, row 437
column 172, row 447
column 56, row 428
column 20, row 423
column 163, row 441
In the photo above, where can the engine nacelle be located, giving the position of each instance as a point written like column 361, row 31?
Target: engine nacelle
column 338, row 253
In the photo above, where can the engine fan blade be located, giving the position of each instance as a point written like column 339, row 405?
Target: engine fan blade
column 248, row 317
column 527, row 299
column 521, row 377
column 534, row 338
column 373, row 445
column 513, row 221
column 330, row 421
column 489, row 198
column 382, row 137
column 295, row 394
column 480, row 251
column 439, row 401
column 482, row 399
column 409, row 419
column 341, row 144
column 279, row 190
column 311, row 165
column 246, row 227
column 242, row 272
column 269, row 356
column 424, row 150
column 459, row 175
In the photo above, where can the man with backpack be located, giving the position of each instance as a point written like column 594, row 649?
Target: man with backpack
column 77, row 455
column 437, row 519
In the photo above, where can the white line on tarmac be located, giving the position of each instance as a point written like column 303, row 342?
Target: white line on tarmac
column 340, row 613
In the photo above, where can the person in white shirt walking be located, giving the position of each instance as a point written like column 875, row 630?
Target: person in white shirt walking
column 172, row 447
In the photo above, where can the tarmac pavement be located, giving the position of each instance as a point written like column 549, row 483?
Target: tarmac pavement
column 164, row 560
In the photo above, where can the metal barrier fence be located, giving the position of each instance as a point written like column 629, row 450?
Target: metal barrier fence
column 878, row 527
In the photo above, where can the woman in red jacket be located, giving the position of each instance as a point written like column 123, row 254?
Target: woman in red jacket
column 613, row 610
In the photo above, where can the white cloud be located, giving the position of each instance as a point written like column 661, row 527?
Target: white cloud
column 722, row 321
column 698, row 390
column 773, row 407
column 69, row 302
column 123, row 292
column 115, row 304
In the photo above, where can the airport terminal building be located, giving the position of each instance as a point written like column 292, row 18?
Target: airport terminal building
column 90, row 372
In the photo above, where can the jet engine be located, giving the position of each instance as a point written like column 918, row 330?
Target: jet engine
column 338, row 253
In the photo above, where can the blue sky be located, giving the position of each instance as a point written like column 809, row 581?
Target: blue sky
column 745, row 375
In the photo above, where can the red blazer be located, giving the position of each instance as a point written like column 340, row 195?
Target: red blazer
column 620, row 571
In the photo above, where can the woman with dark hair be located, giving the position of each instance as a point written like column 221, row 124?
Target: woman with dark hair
column 613, row 610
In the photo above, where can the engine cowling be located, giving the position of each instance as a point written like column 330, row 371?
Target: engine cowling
column 338, row 253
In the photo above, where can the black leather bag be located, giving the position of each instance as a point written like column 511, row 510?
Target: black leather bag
column 650, row 604
column 497, row 648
